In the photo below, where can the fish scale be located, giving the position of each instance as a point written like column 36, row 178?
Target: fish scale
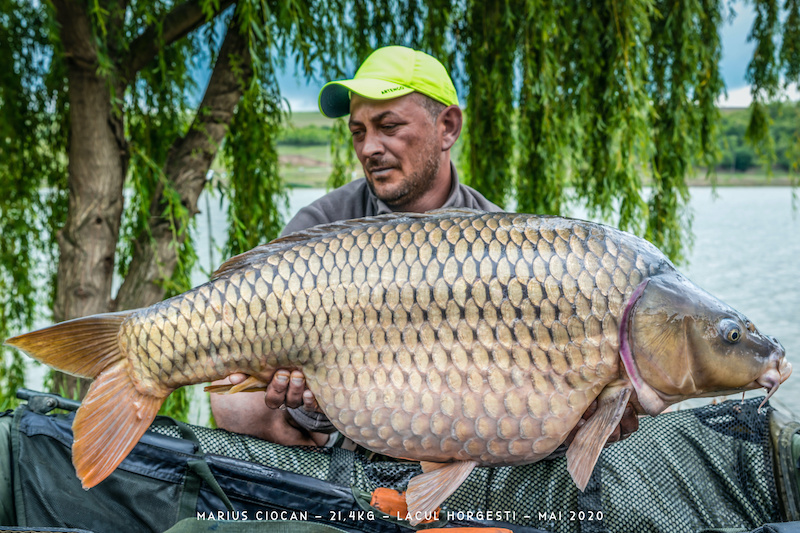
column 456, row 338
column 504, row 326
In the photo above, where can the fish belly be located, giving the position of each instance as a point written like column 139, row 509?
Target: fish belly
column 482, row 414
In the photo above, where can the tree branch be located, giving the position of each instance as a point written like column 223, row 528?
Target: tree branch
column 183, row 19
column 156, row 252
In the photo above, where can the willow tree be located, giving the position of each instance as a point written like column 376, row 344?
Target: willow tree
column 105, row 145
column 96, row 99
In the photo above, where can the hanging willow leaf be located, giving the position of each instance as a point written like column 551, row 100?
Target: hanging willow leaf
column 256, row 193
column 489, row 51
column 545, row 131
column 342, row 154
column 32, row 177
column 790, row 46
column 763, row 73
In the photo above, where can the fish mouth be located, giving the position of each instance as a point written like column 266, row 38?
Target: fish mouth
column 779, row 371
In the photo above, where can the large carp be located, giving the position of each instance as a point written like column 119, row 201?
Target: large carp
column 458, row 337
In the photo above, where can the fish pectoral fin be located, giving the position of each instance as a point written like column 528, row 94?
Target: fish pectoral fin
column 251, row 384
column 430, row 466
column 585, row 449
column 110, row 421
column 428, row 490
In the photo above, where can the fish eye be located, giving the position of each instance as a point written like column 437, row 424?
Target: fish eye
column 730, row 331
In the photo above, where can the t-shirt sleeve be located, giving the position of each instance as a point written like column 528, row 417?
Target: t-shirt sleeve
column 348, row 201
column 306, row 218
column 475, row 200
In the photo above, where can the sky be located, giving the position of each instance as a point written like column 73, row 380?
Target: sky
column 736, row 53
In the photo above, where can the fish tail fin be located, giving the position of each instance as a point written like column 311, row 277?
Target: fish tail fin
column 82, row 347
column 111, row 420
column 114, row 414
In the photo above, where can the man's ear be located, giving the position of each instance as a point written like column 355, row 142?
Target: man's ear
column 450, row 121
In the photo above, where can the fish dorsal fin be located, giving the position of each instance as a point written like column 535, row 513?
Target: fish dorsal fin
column 468, row 211
column 322, row 230
column 314, row 232
column 242, row 259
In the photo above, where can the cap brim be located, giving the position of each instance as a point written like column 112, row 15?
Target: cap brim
column 334, row 98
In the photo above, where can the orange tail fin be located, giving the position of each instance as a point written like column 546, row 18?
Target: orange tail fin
column 114, row 414
column 111, row 420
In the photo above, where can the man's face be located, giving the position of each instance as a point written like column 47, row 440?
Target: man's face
column 398, row 145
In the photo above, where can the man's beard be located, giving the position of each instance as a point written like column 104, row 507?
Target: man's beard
column 415, row 185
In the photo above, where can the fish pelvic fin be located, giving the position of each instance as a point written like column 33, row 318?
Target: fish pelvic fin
column 82, row 347
column 427, row 491
column 111, row 420
column 585, row 449
column 251, row 384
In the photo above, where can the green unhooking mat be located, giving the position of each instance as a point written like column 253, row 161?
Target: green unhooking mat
column 704, row 469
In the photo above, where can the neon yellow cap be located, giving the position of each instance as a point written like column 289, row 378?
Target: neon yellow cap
column 390, row 72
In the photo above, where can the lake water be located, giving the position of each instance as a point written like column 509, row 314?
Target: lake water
column 746, row 252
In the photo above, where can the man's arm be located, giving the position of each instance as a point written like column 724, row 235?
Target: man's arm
column 249, row 413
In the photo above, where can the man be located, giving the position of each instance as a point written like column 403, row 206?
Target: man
column 404, row 119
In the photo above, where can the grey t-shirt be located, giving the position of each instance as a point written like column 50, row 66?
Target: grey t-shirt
column 355, row 200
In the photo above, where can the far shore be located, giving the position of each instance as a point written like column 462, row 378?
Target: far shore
column 316, row 176
column 745, row 180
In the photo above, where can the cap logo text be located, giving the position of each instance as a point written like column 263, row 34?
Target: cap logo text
column 393, row 89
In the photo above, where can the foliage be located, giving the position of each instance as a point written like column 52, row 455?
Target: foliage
column 790, row 43
column 255, row 191
column 342, row 154
column 564, row 101
column 32, row 173
column 310, row 135
column 685, row 86
column 765, row 69
column 612, row 100
column 176, row 405
column 489, row 66
column 546, row 129
column 156, row 118
column 738, row 155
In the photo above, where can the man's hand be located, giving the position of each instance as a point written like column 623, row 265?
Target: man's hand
column 248, row 413
column 286, row 388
